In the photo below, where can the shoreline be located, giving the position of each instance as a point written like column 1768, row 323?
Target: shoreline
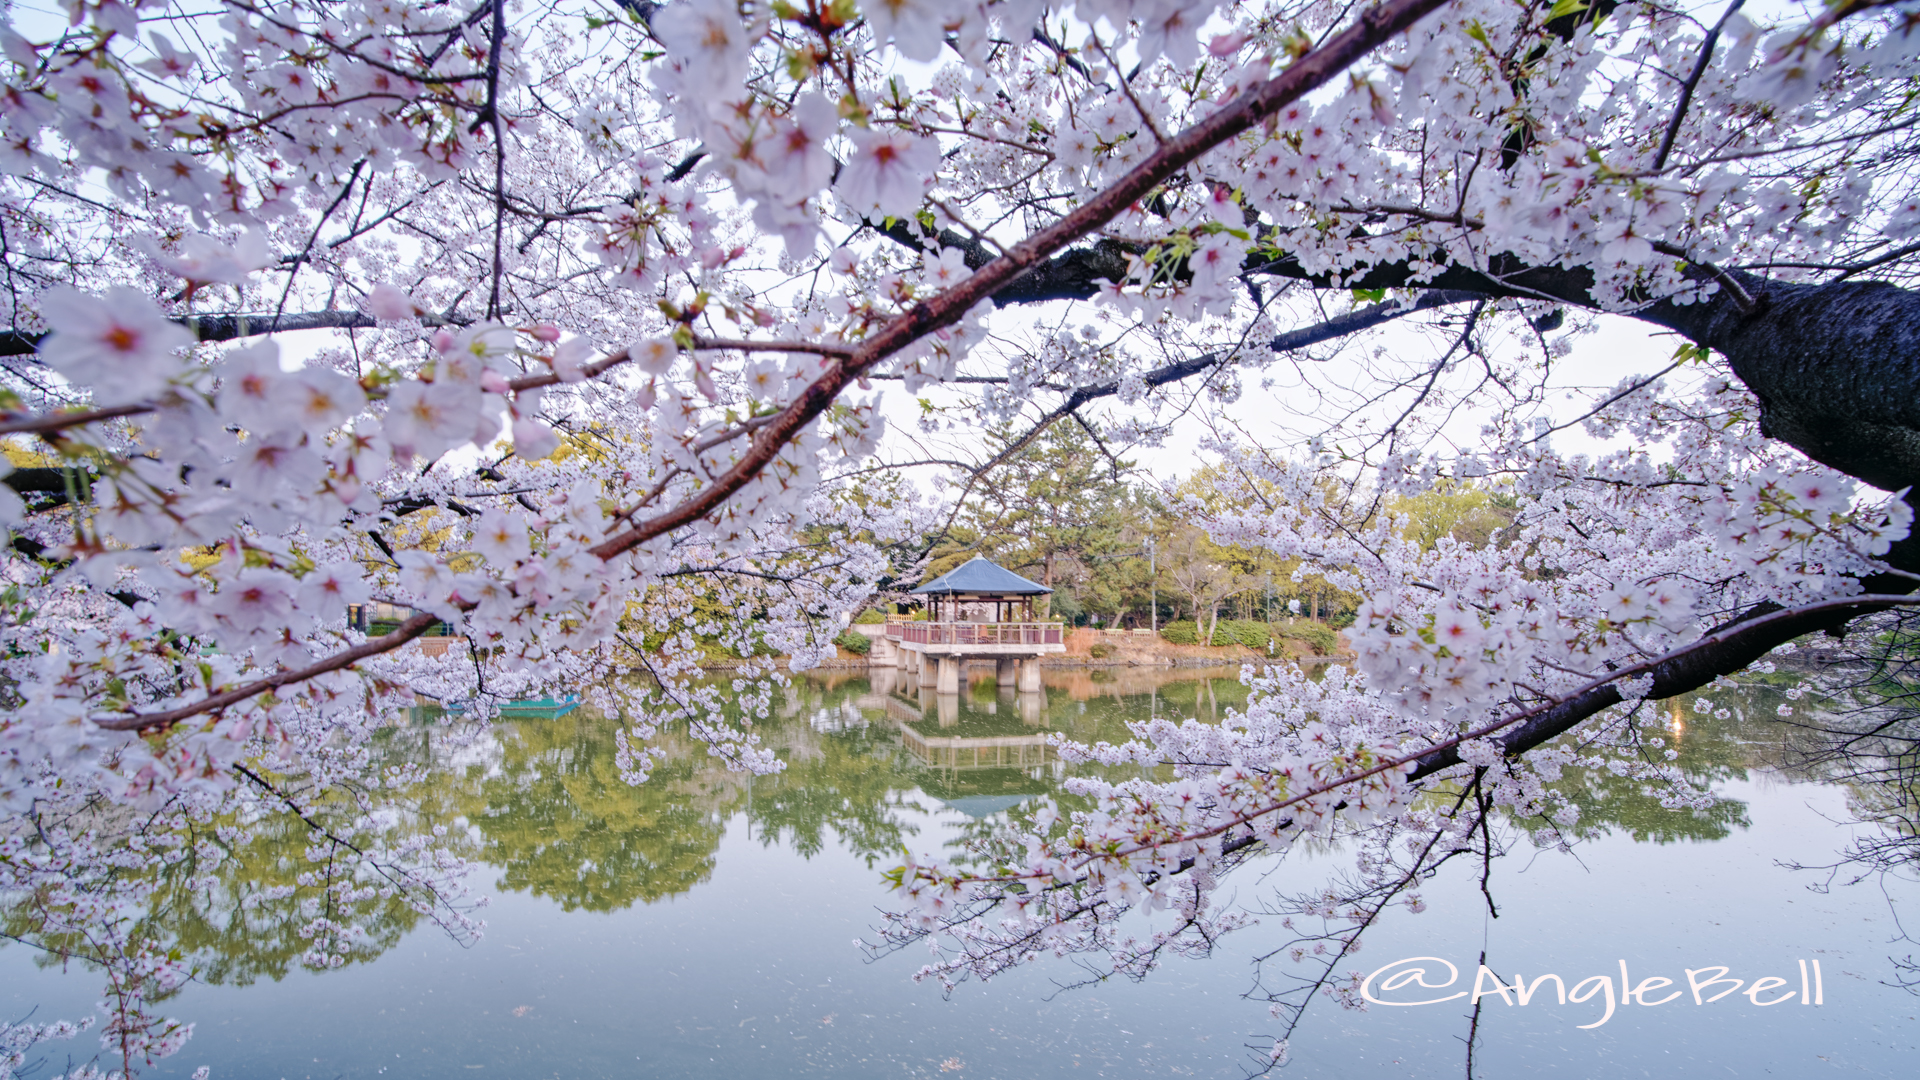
column 861, row 663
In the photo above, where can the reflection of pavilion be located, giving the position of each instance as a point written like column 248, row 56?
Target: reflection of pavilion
column 995, row 766
column 971, row 617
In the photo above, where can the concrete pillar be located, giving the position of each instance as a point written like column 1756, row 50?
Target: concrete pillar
column 1032, row 708
column 1009, row 671
column 948, row 679
column 929, row 668
column 947, row 708
column 1030, row 676
column 900, row 654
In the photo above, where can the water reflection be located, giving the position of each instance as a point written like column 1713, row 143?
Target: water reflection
column 550, row 813
column 552, row 816
column 539, row 801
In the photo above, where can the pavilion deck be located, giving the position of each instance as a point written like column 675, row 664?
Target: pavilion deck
column 971, row 633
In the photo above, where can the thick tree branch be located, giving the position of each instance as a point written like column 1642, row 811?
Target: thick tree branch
column 345, row 658
column 1693, row 81
column 1373, row 28
column 1729, row 647
column 1836, row 366
column 1318, row 334
column 232, row 327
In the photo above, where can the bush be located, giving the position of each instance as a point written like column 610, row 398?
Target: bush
column 854, row 642
column 1323, row 640
column 871, row 617
column 1228, row 632
column 1255, row 634
column 1100, row 650
column 382, row 627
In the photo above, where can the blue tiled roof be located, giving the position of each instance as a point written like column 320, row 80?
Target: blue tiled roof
column 978, row 576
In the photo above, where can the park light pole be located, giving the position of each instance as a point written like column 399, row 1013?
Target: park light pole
column 1153, row 587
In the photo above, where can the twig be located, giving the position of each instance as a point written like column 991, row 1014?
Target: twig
column 1686, row 89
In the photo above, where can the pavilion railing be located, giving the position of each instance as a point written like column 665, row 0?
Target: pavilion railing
column 934, row 633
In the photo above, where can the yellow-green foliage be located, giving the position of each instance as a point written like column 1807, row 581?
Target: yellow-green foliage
column 1321, row 639
column 1468, row 513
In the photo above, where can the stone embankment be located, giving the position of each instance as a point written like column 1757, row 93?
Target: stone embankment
column 1088, row 647
column 1085, row 648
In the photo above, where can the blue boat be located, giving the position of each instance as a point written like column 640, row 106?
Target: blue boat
column 542, row 708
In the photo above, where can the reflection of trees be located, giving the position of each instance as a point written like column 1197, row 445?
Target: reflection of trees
column 848, row 781
column 250, row 894
column 1869, row 741
column 237, row 917
column 549, row 810
column 1712, row 750
column 557, row 820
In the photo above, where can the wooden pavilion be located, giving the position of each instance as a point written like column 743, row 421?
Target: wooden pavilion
column 978, row 611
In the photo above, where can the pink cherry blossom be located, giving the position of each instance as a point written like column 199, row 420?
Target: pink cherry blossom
column 120, row 346
column 889, row 172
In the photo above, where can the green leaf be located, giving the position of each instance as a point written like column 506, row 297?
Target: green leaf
column 1563, row 8
column 800, row 64
column 1369, row 296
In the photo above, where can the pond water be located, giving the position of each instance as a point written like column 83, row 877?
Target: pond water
column 704, row 925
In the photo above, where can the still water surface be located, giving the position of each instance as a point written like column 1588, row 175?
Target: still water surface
column 703, row 925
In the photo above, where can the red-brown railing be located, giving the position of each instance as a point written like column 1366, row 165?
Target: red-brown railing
column 930, row 633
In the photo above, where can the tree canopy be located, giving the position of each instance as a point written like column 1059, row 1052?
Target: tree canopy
column 304, row 300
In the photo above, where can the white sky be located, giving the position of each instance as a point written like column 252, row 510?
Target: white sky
column 1616, row 349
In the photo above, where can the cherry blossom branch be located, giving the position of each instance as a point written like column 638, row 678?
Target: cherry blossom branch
column 1635, row 387
column 49, row 422
column 817, row 348
column 1693, row 80
column 405, row 632
column 60, row 421
column 587, row 371
column 1373, row 28
column 944, row 309
column 1337, row 327
column 1126, row 87
column 234, row 326
column 1586, row 699
column 1735, row 290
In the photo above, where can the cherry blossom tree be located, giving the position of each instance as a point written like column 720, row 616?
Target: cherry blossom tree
column 565, row 330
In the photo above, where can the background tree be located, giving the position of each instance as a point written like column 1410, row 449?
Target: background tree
column 1059, row 510
column 1206, row 574
column 1462, row 511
